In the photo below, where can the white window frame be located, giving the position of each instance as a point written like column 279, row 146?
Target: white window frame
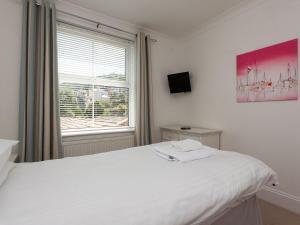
column 130, row 82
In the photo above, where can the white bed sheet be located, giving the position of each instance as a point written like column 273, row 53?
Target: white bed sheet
column 129, row 187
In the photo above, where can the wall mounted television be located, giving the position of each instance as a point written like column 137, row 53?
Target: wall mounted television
column 179, row 82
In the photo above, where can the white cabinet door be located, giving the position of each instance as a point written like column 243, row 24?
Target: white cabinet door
column 211, row 141
column 170, row 136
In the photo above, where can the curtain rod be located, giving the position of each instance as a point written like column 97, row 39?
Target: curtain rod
column 100, row 24
column 98, row 31
column 96, row 22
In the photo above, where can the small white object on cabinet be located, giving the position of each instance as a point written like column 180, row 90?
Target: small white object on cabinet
column 206, row 136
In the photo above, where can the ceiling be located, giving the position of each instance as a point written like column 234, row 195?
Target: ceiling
column 172, row 17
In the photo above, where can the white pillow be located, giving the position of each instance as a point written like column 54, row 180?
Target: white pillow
column 6, row 147
column 5, row 171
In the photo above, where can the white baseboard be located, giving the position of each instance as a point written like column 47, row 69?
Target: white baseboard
column 281, row 199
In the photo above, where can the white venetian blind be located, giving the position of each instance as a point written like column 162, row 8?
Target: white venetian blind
column 95, row 75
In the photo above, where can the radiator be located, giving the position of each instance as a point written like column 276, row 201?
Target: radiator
column 87, row 145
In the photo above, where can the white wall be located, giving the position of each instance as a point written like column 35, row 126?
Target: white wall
column 166, row 59
column 269, row 131
column 10, row 50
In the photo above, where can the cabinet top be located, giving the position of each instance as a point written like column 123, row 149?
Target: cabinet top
column 193, row 130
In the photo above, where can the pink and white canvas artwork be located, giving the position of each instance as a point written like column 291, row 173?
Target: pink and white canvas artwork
column 268, row 74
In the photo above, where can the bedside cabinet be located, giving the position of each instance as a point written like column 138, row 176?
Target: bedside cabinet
column 206, row 136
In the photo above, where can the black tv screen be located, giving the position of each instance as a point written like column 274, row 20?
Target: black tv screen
column 179, row 82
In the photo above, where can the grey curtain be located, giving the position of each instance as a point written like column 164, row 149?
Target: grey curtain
column 144, row 124
column 39, row 125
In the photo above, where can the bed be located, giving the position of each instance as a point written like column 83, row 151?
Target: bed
column 135, row 187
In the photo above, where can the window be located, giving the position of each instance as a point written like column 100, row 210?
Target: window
column 96, row 80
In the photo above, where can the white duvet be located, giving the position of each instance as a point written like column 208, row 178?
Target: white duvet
column 129, row 187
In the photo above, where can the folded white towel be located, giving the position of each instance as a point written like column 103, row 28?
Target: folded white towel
column 164, row 156
column 169, row 152
column 187, row 145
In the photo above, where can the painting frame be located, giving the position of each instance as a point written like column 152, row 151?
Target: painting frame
column 268, row 74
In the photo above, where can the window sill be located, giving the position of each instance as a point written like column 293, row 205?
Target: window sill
column 98, row 132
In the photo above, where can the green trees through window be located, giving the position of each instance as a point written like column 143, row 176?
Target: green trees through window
column 85, row 102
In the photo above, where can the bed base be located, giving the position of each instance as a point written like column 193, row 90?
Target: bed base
column 246, row 213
